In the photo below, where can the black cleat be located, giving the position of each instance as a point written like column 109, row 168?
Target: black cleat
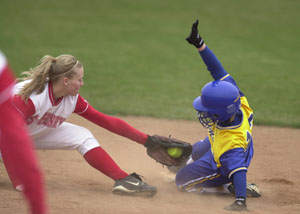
column 133, row 185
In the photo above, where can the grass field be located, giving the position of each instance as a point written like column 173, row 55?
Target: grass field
column 136, row 59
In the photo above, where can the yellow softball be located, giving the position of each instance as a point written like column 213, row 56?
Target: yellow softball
column 175, row 152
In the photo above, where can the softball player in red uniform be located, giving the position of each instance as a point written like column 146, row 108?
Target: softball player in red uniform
column 222, row 159
column 48, row 95
column 16, row 146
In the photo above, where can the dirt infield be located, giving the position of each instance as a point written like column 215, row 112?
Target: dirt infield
column 76, row 188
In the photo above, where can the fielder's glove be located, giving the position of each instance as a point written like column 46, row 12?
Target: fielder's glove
column 238, row 205
column 157, row 148
column 194, row 38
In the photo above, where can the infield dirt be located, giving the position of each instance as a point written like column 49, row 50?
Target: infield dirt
column 73, row 187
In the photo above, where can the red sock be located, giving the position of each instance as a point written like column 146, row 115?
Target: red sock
column 100, row 160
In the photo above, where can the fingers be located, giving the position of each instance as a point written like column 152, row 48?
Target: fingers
column 195, row 25
column 193, row 32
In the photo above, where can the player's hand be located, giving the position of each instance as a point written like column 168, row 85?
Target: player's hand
column 238, row 205
column 194, row 38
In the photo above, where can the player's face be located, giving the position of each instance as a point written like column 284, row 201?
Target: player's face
column 75, row 83
column 205, row 120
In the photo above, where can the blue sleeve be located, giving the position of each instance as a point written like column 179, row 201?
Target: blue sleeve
column 240, row 184
column 212, row 63
column 215, row 67
column 235, row 167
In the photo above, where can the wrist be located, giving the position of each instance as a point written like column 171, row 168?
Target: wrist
column 202, row 47
column 149, row 141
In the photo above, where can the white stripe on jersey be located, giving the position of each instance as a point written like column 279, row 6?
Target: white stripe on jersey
column 87, row 106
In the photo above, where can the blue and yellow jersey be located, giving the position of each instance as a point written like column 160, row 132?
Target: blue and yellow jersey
column 224, row 139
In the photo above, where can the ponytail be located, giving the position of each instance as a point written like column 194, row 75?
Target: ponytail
column 50, row 69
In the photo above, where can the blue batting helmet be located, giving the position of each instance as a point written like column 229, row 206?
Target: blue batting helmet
column 219, row 101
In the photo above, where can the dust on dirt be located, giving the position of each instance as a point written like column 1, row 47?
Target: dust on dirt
column 73, row 187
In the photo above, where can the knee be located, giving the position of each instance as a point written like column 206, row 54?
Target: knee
column 200, row 148
column 180, row 179
column 87, row 145
column 85, row 132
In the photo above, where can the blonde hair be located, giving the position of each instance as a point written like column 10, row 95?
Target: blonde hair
column 50, row 69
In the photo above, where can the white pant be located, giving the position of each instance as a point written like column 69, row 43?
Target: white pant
column 66, row 137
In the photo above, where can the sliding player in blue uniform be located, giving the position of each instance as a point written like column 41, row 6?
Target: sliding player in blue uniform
column 219, row 163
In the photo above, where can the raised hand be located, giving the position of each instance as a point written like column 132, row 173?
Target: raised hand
column 194, row 38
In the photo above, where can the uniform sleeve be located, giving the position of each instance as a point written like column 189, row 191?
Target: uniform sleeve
column 26, row 109
column 215, row 67
column 81, row 105
column 110, row 123
column 212, row 63
column 240, row 184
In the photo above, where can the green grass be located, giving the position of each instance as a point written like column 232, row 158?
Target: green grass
column 136, row 59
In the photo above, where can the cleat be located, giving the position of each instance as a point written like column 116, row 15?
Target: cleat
column 132, row 185
column 252, row 190
column 239, row 205
column 20, row 188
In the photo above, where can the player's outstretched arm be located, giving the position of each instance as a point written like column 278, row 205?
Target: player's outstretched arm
column 112, row 124
column 214, row 66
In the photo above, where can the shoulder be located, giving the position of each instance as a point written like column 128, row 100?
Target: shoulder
column 247, row 110
column 71, row 100
column 244, row 101
column 40, row 100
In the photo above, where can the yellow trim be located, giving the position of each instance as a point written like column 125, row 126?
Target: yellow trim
column 238, row 169
column 237, row 98
column 224, row 77
column 191, row 186
column 228, row 127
